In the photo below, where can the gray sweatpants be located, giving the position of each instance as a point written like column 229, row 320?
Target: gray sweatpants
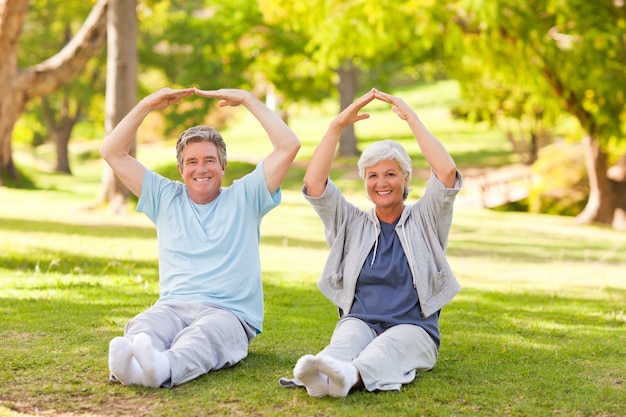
column 385, row 361
column 197, row 338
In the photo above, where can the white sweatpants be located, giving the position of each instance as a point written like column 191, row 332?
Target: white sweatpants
column 196, row 338
column 386, row 361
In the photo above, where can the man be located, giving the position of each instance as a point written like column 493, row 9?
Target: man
column 211, row 296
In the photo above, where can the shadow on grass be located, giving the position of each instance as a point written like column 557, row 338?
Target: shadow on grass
column 529, row 244
column 69, row 263
column 23, row 180
column 105, row 230
column 279, row 241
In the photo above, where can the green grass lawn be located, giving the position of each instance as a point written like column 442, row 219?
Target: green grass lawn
column 538, row 329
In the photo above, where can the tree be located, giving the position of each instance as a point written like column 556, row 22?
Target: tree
column 357, row 39
column 208, row 44
column 205, row 43
column 20, row 85
column 527, row 121
column 569, row 52
column 121, row 88
column 65, row 108
column 50, row 25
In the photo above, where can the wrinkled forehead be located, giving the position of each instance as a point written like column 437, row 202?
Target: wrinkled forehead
column 199, row 148
column 384, row 165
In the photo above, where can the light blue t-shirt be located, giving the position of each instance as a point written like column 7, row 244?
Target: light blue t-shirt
column 209, row 253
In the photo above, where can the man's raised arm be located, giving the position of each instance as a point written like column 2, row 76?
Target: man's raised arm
column 116, row 147
column 284, row 140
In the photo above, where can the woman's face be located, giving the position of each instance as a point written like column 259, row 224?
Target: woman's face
column 385, row 183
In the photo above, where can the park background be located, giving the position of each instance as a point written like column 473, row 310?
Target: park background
column 539, row 326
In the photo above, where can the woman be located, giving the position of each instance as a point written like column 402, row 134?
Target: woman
column 386, row 271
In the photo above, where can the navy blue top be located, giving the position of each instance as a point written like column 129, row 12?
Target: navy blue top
column 385, row 295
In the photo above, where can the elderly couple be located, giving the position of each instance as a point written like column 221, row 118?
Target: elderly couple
column 386, row 271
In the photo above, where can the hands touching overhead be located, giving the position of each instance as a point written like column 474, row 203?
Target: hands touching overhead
column 164, row 97
column 351, row 113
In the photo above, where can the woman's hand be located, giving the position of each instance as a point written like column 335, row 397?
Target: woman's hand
column 398, row 105
column 350, row 114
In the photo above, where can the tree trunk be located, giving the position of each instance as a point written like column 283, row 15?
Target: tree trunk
column 60, row 130
column 617, row 176
column 348, row 87
column 121, row 88
column 61, row 141
column 8, row 116
column 20, row 86
column 601, row 204
column 619, row 218
column 12, row 16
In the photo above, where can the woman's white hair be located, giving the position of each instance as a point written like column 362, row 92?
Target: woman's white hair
column 385, row 150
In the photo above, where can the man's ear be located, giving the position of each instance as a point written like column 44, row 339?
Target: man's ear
column 180, row 170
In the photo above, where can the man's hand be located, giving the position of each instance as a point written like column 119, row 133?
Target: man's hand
column 164, row 97
column 227, row 96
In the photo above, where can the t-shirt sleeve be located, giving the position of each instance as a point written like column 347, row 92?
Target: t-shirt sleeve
column 257, row 192
column 154, row 188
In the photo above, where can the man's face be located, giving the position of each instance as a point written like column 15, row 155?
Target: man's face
column 201, row 171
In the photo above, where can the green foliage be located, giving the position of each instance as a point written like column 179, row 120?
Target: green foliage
column 280, row 59
column 553, row 49
column 29, row 131
column 358, row 30
column 560, row 183
column 45, row 28
column 24, row 181
column 205, row 44
column 381, row 38
column 49, row 26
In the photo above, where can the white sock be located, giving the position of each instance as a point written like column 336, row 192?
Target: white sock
column 342, row 376
column 122, row 364
column 154, row 364
column 307, row 372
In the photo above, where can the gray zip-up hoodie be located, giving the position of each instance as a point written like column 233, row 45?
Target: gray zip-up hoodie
column 423, row 231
